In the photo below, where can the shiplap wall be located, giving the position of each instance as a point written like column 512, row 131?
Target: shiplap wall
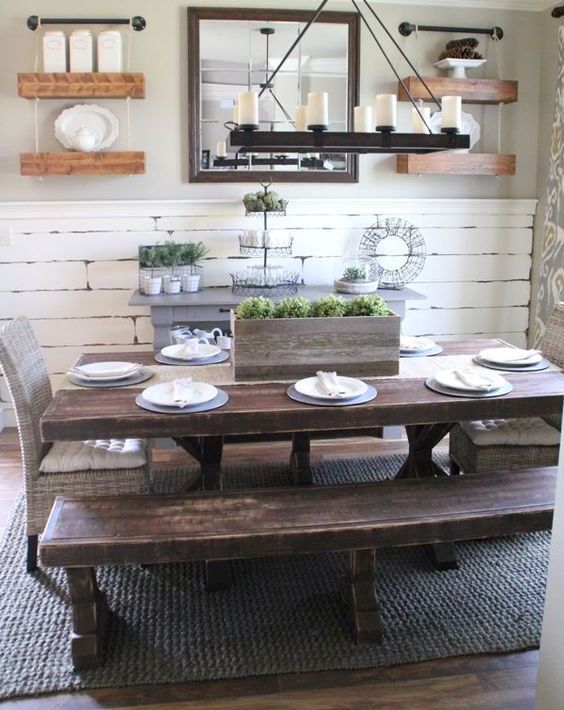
column 71, row 267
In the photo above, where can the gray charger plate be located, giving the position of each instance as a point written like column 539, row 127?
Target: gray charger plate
column 432, row 385
column 369, row 395
column 220, row 357
column 144, row 375
column 423, row 353
column 542, row 365
column 219, row 400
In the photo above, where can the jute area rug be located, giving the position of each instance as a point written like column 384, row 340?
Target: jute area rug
column 282, row 615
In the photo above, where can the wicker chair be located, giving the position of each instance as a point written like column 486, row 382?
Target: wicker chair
column 465, row 455
column 30, row 389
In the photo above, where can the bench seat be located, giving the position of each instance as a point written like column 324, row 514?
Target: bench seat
column 85, row 532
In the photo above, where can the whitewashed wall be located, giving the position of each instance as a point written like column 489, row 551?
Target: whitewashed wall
column 71, row 267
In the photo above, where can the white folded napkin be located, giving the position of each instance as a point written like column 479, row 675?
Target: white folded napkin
column 189, row 349
column 183, row 392
column 410, row 342
column 474, row 379
column 105, row 374
column 329, row 383
column 519, row 354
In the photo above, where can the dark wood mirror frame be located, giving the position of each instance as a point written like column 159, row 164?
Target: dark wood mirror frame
column 195, row 14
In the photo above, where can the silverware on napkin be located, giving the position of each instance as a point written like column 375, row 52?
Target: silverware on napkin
column 329, row 383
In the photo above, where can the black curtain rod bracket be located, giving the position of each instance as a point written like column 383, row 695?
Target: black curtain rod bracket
column 138, row 23
column 558, row 12
column 407, row 28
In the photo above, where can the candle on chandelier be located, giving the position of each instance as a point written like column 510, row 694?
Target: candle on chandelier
column 419, row 118
column 363, row 120
column 451, row 114
column 301, row 118
column 386, row 112
column 221, row 149
column 248, row 112
column 318, row 110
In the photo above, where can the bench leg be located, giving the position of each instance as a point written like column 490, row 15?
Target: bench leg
column 360, row 593
column 300, row 464
column 89, row 611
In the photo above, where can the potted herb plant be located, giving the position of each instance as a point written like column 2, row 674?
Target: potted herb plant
column 172, row 264
column 296, row 337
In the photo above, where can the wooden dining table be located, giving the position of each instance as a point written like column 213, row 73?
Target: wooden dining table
column 265, row 410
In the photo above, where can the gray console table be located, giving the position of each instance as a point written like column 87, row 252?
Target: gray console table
column 209, row 308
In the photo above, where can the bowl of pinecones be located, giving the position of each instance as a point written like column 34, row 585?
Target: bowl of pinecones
column 460, row 55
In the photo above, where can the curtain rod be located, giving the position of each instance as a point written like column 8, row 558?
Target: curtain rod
column 137, row 23
column 558, row 11
column 406, row 28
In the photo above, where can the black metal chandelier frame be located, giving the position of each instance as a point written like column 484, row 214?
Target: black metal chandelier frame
column 315, row 141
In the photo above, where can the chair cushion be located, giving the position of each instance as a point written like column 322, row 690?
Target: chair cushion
column 512, row 432
column 94, row 454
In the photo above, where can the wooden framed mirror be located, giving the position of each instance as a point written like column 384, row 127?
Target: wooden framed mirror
column 232, row 49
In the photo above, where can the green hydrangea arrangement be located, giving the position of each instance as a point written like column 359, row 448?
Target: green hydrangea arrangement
column 330, row 307
column 293, row 307
column 368, row 305
column 264, row 202
column 255, row 308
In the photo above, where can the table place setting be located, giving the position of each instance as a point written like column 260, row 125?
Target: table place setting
column 109, row 374
column 412, row 346
column 327, row 389
column 193, row 352
column 182, row 396
column 468, row 382
column 512, row 359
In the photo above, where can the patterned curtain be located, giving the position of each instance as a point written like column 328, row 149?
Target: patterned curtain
column 551, row 283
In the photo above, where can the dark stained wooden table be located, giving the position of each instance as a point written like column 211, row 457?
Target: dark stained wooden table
column 265, row 409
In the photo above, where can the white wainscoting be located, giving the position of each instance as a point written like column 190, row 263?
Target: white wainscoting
column 72, row 266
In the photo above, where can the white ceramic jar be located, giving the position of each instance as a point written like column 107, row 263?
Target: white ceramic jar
column 54, row 52
column 110, row 54
column 80, row 51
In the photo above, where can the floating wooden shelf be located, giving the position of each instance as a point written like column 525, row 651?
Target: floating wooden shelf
column 72, row 85
column 71, row 163
column 456, row 164
column 473, row 91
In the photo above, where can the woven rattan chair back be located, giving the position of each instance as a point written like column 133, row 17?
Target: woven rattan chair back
column 29, row 386
column 552, row 345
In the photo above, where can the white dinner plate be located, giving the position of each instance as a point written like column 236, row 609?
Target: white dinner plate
column 310, row 387
column 412, row 344
column 506, row 356
column 106, row 370
column 447, row 378
column 96, row 119
column 163, row 395
column 204, row 351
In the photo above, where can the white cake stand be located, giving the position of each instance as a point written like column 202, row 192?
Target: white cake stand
column 457, row 67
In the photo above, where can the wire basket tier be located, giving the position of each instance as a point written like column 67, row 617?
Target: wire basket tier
column 268, row 213
column 260, row 282
column 259, row 251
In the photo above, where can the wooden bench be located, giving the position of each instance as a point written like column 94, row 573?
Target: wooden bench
column 84, row 532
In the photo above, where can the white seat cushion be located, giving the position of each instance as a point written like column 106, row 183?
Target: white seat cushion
column 512, row 432
column 94, row 454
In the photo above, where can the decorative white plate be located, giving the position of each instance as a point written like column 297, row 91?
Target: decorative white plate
column 507, row 356
column 96, row 119
column 457, row 67
column 204, row 352
column 310, row 387
column 163, row 395
column 469, row 126
column 106, row 370
column 412, row 344
column 447, row 378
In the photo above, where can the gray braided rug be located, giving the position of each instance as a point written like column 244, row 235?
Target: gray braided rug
column 281, row 615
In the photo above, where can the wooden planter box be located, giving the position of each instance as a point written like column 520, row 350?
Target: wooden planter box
column 290, row 348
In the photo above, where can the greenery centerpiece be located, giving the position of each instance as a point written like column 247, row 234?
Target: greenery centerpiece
column 359, row 277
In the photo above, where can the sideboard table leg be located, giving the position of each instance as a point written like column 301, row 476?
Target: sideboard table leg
column 360, row 593
column 89, row 611
column 300, row 463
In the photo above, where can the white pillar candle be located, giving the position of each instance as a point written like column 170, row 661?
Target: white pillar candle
column 451, row 112
column 318, row 109
column 301, row 118
column 235, row 116
column 248, row 108
column 363, row 120
column 386, row 110
column 221, row 149
column 417, row 123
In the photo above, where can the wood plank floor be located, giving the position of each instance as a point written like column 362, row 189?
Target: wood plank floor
column 500, row 682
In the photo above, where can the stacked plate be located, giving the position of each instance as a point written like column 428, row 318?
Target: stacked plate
column 331, row 390
column 109, row 374
column 191, row 353
column 512, row 359
column 411, row 346
column 181, row 396
column 469, row 382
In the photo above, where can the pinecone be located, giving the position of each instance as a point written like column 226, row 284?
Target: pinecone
column 471, row 42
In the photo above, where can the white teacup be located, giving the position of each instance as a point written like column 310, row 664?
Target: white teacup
column 209, row 335
column 223, row 342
